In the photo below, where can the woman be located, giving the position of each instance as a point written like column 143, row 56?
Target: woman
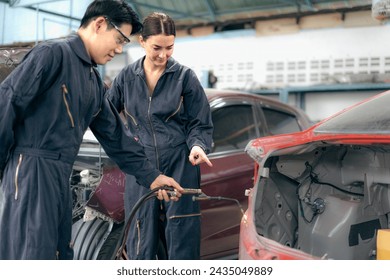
column 167, row 112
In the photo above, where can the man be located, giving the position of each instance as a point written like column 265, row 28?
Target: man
column 46, row 105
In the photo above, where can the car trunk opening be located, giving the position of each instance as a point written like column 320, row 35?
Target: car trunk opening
column 326, row 200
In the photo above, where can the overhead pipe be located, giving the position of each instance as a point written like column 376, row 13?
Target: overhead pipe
column 26, row 3
column 37, row 28
column 3, row 32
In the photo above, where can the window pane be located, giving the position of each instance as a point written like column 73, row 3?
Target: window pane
column 280, row 122
column 233, row 127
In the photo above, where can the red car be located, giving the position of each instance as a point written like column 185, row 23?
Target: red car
column 323, row 193
column 238, row 117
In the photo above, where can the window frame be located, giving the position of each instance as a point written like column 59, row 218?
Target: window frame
column 258, row 119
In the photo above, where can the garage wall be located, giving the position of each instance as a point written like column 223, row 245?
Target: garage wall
column 305, row 58
column 321, row 105
column 22, row 25
column 333, row 55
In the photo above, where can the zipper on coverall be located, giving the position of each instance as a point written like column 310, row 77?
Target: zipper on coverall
column 17, row 175
column 139, row 236
column 131, row 117
column 64, row 94
column 154, row 134
column 157, row 164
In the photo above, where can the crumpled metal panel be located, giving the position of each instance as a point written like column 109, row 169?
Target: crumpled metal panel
column 9, row 59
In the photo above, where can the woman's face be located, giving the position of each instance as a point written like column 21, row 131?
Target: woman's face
column 158, row 48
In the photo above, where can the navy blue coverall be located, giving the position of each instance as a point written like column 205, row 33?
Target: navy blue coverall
column 167, row 123
column 46, row 105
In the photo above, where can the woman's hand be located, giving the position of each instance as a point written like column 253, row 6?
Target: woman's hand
column 197, row 156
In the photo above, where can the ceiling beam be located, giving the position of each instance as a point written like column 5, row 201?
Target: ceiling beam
column 26, row 3
column 169, row 11
column 309, row 3
column 211, row 8
column 52, row 13
column 296, row 15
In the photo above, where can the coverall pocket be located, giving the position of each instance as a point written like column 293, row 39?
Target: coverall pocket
column 65, row 95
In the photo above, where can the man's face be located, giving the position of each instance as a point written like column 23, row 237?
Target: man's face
column 109, row 42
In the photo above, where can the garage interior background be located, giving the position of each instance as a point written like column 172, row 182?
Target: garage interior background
column 321, row 56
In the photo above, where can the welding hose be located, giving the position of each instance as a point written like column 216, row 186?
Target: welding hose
column 171, row 192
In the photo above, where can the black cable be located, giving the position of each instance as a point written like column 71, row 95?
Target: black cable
column 171, row 193
column 206, row 197
column 314, row 179
column 303, row 213
column 139, row 203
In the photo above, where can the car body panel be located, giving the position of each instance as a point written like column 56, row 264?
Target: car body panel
column 329, row 185
column 229, row 178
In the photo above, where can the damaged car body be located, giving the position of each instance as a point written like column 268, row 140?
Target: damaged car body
column 322, row 193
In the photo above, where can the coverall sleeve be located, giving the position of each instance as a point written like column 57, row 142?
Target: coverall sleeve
column 108, row 128
column 18, row 90
column 199, row 127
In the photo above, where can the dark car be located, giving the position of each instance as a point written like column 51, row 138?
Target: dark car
column 323, row 193
column 238, row 117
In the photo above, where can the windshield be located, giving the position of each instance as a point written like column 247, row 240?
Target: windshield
column 371, row 117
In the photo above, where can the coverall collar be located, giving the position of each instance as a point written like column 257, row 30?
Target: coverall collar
column 171, row 66
column 79, row 48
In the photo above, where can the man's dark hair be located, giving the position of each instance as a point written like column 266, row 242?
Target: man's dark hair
column 117, row 11
column 158, row 23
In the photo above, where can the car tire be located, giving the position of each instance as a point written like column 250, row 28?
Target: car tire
column 111, row 246
column 95, row 239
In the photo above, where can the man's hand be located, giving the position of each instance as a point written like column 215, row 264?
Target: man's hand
column 163, row 180
column 197, row 156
